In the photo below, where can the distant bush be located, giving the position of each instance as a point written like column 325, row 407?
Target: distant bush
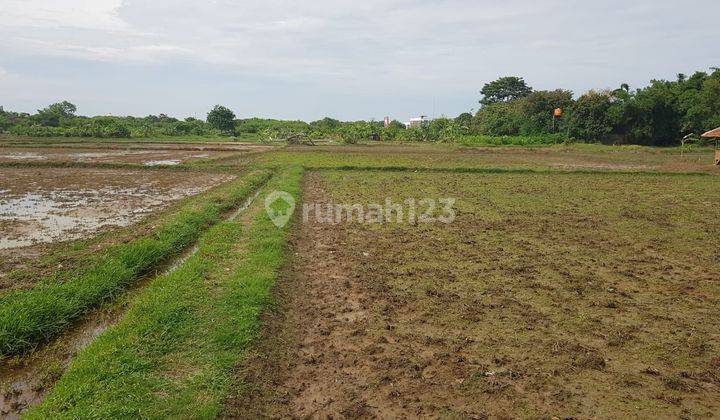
column 112, row 129
column 353, row 132
column 661, row 114
column 258, row 125
column 37, row 131
column 5, row 123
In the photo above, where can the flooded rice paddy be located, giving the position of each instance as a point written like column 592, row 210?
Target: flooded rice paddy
column 45, row 205
column 150, row 157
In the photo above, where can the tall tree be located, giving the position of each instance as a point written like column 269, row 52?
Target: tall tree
column 54, row 114
column 222, row 118
column 505, row 89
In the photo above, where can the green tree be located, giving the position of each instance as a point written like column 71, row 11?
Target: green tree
column 464, row 120
column 222, row 118
column 353, row 132
column 4, row 122
column 326, row 124
column 699, row 103
column 537, row 110
column 396, row 125
column 591, row 118
column 55, row 114
column 500, row 119
column 652, row 115
column 505, row 89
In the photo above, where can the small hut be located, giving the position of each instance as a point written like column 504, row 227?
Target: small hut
column 714, row 134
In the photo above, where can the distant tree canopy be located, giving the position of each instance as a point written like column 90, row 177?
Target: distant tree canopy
column 662, row 113
column 592, row 116
column 326, row 124
column 222, row 118
column 536, row 110
column 465, row 119
column 53, row 115
column 505, row 89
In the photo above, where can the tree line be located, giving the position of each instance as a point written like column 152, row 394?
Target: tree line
column 662, row 113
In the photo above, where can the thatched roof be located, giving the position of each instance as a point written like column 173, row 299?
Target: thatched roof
column 713, row 133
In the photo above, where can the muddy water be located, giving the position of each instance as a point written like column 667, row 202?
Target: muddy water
column 108, row 154
column 25, row 381
column 23, row 156
column 166, row 162
column 60, row 215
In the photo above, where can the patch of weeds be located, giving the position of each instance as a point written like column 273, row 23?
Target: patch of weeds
column 620, row 336
column 698, row 344
column 677, row 383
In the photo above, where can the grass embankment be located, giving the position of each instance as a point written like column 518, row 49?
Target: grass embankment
column 174, row 352
column 30, row 317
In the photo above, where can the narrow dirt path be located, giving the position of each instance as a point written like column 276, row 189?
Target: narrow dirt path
column 307, row 363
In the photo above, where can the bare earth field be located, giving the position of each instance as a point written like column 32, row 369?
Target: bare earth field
column 551, row 295
column 146, row 157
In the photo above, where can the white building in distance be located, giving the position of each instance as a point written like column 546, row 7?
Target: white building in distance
column 418, row 121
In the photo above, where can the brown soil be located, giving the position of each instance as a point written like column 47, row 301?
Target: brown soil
column 328, row 351
column 481, row 319
column 149, row 157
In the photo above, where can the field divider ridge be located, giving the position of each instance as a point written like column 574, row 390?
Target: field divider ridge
column 174, row 352
column 34, row 316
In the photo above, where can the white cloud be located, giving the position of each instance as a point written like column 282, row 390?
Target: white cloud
column 85, row 14
column 254, row 33
column 350, row 48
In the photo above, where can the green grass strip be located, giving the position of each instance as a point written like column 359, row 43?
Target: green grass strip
column 174, row 353
column 30, row 317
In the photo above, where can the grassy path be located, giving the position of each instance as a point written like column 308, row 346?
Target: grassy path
column 174, row 352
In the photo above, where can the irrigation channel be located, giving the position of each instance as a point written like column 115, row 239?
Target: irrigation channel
column 26, row 380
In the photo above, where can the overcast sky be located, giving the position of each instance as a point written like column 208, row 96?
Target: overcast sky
column 305, row 59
